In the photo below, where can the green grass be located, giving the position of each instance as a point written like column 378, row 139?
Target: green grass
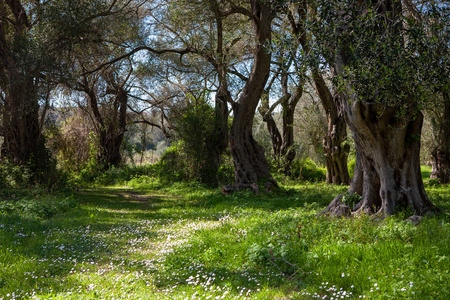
column 148, row 241
column 426, row 172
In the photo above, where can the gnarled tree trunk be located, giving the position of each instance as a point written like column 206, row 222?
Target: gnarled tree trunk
column 250, row 164
column 111, row 123
column 23, row 141
column 282, row 143
column 441, row 155
column 388, row 150
column 266, row 113
column 21, row 130
column 335, row 150
column 218, row 142
column 387, row 138
column 288, row 105
column 111, row 135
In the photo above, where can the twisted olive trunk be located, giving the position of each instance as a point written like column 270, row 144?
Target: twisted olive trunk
column 21, row 128
column 23, row 141
column 387, row 140
column 441, row 155
column 250, row 164
column 388, row 148
column 335, row 149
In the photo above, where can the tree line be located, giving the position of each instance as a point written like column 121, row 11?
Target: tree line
column 377, row 67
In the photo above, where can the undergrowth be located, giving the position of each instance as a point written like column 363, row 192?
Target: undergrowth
column 147, row 240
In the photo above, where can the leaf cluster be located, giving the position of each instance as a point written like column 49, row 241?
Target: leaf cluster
column 389, row 57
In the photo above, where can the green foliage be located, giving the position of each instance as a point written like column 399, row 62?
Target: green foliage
column 172, row 165
column 92, row 167
column 306, row 169
column 225, row 174
column 195, row 156
column 351, row 199
column 431, row 181
column 183, row 240
column 351, row 166
column 114, row 176
column 380, row 66
column 41, row 207
column 16, row 177
column 21, row 195
column 196, row 128
column 13, row 176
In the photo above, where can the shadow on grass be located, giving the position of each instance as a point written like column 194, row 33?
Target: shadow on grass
column 41, row 253
column 52, row 248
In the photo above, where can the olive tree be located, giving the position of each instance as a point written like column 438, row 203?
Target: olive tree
column 36, row 37
column 380, row 74
column 26, row 69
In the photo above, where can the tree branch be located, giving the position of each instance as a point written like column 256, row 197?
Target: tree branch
column 182, row 52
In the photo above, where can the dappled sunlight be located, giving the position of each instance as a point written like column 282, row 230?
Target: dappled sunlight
column 123, row 243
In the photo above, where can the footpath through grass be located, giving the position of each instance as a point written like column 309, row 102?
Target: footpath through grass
column 145, row 242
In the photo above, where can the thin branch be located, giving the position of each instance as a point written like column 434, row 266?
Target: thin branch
column 182, row 52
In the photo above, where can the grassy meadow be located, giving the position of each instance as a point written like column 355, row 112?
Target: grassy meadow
column 141, row 239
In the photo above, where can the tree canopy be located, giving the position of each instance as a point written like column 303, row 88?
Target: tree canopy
column 375, row 66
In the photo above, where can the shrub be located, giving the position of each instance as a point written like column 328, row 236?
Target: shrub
column 41, row 207
column 306, row 169
column 351, row 166
column 196, row 129
column 72, row 142
column 13, row 176
column 195, row 157
column 125, row 173
column 225, row 175
column 351, row 199
column 172, row 165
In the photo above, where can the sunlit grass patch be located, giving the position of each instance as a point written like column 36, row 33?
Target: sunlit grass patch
column 186, row 241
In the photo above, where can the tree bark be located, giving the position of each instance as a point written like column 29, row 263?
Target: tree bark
column 388, row 154
column 335, row 149
column 111, row 137
column 289, row 103
column 111, row 123
column 387, row 141
column 441, row 155
column 23, row 142
column 266, row 113
column 283, row 142
column 218, row 142
column 249, row 159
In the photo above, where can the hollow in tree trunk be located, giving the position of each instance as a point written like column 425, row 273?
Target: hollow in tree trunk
column 388, row 148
